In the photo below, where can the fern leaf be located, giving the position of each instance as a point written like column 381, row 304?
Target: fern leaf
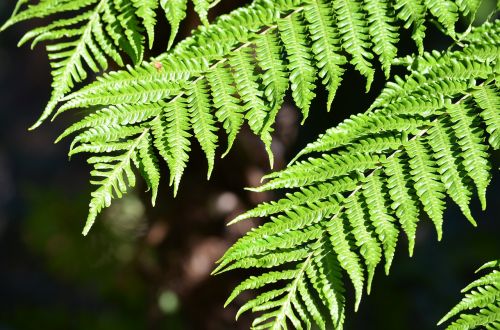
column 487, row 98
column 483, row 298
column 427, row 183
column 201, row 7
column 474, row 153
column 413, row 13
column 368, row 245
column 175, row 11
column 113, row 175
column 355, row 36
column 326, row 278
column 85, row 33
column 381, row 219
column 404, row 204
column 383, row 32
column 145, row 9
column 171, row 132
column 376, row 173
column 203, row 121
column 246, row 61
column 347, row 258
column 440, row 141
column 248, row 89
column 268, row 52
column 468, row 7
column 229, row 111
column 446, row 12
column 325, row 46
column 302, row 72
column 148, row 165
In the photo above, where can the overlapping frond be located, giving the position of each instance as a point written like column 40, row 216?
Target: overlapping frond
column 85, row 34
column 238, row 69
column 480, row 308
column 368, row 179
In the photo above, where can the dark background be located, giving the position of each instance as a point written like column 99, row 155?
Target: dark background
column 145, row 268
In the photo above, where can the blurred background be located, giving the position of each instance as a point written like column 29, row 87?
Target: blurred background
column 149, row 268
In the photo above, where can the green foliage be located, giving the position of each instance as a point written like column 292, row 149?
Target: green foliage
column 427, row 136
column 93, row 32
column 238, row 70
column 482, row 301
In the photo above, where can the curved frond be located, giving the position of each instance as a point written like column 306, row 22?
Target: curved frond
column 237, row 69
column 480, row 308
column 353, row 191
column 96, row 31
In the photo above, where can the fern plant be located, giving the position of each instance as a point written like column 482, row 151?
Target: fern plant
column 233, row 71
column 483, row 297
column 426, row 137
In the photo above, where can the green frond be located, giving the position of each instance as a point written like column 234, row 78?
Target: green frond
column 114, row 175
column 440, row 140
column 95, row 31
column 469, row 137
column 202, row 121
column 352, row 192
column 383, row 32
column 268, row 52
column 175, row 12
column 446, row 12
column 113, row 116
column 369, row 247
column 376, row 201
column 171, row 132
column 145, row 10
column 247, row 87
column 302, row 72
column 229, row 110
column 239, row 68
column 487, row 97
column 347, row 258
column 403, row 198
column 480, row 308
column 427, row 183
column 201, row 7
column 325, row 46
column 355, row 36
column 148, row 165
column 305, row 195
column 326, row 278
column 468, row 7
column 413, row 13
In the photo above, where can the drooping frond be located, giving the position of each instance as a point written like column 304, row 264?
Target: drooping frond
column 94, row 32
column 239, row 68
column 480, row 308
column 363, row 182
column 114, row 174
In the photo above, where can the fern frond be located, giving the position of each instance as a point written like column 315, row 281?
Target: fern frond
column 113, row 175
column 413, row 13
column 96, row 30
column 375, row 174
column 481, row 305
column 175, row 11
column 203, row 121
column 355, row 36
column 171, row 132
column 487, row 98
column 239, row 68
column 302, row 73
